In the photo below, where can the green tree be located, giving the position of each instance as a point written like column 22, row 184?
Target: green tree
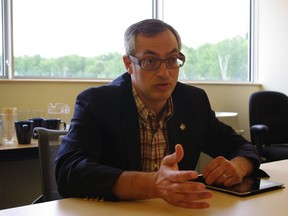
column 226, row 60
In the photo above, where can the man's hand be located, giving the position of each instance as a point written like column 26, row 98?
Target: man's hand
column 167, row 183
column 225, row 172
column 174, row 186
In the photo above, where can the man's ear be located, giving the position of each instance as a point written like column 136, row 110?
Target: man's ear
column 128, row 64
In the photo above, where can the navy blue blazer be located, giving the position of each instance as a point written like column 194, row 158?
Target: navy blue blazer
column 104, row 137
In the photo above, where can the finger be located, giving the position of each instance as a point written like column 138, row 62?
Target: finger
column 191, row 204
column 182, row 176
column 190, row 200
column 232, row 180
column 179, row 152
column 186, row 191
column 214, row 164
column 194, row 205
column 221, row 179
column 174, row 158
column 216, row 168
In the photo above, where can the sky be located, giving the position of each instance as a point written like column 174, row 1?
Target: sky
column 54, row 28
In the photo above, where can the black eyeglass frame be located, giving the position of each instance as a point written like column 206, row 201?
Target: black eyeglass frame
column 137, row 61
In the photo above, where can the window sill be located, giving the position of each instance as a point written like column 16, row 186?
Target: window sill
column 103, row 82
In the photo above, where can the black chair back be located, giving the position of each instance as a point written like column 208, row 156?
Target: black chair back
column 270, row 108
column 268, row 115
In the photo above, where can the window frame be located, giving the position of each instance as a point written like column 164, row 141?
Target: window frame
column 7, row 44
column 157, row 13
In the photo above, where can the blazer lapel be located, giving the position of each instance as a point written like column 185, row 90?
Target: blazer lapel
column 131, row 131
column 182, row 130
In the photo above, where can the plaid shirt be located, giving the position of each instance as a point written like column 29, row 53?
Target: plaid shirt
column 153, row 134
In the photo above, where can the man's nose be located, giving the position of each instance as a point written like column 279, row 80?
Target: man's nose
column 163, row 70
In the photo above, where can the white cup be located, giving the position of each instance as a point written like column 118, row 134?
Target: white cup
column 1, row 133
column 8, row 127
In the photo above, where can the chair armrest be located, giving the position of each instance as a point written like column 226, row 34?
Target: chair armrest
column 257, row 136
column 38, row 200
column 259, row 129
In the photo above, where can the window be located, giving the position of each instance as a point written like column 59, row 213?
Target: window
column 83, row 39
column 72, row 38
column 1, row 47
column 215, row 35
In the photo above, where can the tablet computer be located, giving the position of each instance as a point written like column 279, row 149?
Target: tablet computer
column 249, row 186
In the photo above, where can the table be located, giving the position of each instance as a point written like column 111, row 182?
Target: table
column 230, row 118
column 270, row 203
column 15, row 151
column 19, row 174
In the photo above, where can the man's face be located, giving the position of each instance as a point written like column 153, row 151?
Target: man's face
column 154, row 86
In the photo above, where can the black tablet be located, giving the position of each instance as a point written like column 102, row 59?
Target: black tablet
column 249, row 186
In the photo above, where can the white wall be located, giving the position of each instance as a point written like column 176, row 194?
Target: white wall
column 273, row 45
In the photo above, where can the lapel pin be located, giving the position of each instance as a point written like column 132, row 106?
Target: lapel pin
column 182, row 126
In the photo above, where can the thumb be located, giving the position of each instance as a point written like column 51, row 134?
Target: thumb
column 174, row 158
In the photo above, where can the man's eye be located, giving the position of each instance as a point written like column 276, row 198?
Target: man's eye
column 149, row 61
column 172, row 60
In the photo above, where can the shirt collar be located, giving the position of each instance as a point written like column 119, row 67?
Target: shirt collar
column 144, row 112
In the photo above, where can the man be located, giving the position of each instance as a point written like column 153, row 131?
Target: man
column 140, row 136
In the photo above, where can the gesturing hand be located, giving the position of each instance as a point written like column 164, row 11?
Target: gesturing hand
column 174, row 186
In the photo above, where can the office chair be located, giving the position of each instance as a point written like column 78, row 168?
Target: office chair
column 268, row 116
column 49, row 143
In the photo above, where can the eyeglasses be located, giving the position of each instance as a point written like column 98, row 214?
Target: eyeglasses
column 155, row 63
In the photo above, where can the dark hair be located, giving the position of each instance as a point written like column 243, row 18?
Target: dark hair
column 148, row 28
